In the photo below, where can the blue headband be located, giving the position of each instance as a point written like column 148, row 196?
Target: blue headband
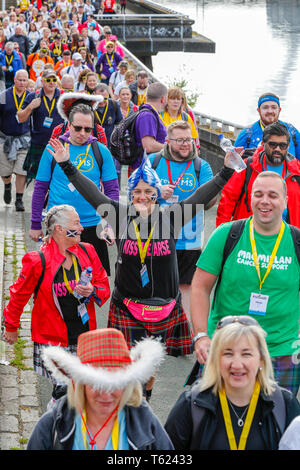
column 146, row 173
column 268, row 98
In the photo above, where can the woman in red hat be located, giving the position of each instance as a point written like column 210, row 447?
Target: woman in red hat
column 104, row 409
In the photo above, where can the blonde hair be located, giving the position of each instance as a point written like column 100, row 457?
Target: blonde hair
column 132, row 396
column 232, row 333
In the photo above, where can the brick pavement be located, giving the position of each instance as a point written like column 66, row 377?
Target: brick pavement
column 19, row 403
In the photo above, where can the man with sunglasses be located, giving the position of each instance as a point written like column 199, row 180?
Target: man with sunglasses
column 235, row 201
column 260, row 277
column 42, row 106
column 269, row 109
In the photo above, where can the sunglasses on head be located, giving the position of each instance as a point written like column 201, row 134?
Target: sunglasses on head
column 79, row 128
column 49, row 80
column 281, row 145
column 242, row 319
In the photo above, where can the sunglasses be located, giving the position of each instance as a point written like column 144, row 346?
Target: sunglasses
column 242, row 319
column 49, row 80
column 281, row 145
column 79, row 128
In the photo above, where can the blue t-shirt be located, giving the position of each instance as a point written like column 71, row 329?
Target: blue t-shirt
column 191, row 234
column 123, row 444
column 61, row 191
column 8, row 123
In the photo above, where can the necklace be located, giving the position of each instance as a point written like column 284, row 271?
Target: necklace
column 239, row 418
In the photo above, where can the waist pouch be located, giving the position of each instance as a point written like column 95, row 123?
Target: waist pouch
column 150, row 310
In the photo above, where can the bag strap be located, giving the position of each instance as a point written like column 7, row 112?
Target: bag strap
column 43, row 261
column 295, row 232
column 197, row 413
column 279, row 409
column 97, row 154
column 233, row 237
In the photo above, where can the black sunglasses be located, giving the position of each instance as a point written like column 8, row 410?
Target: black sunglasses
column 281, row 145
column 242, row 319
column 79, row 128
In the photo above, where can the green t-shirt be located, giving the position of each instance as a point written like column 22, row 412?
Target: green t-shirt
column 239, row 279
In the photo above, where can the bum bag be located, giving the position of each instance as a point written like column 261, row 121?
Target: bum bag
column 150, row 310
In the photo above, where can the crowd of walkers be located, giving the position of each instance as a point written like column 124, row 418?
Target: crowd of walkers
column 67, row 89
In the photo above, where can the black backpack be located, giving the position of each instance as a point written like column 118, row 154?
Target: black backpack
column 123, row 145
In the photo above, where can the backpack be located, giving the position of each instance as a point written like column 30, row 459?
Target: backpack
column 290, row 128
column 197, row 412
column 196, row 162
column 124, row 136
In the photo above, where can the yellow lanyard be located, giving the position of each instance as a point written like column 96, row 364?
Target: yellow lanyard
column 74, row 260
column 248, row 421
column 110, row 61
column 84, row 159
column 158, row 115
column 142, row 251
column 57, row 50
column 11, row 59
column 18, row 106
column 47, row 107
column 114, row 434
column 141, row 97
column 254, row 252
column 261, row 125
column 104, row 114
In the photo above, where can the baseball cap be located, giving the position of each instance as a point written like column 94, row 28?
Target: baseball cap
column 76, row 56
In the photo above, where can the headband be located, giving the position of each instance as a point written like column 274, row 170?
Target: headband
column 268, row 98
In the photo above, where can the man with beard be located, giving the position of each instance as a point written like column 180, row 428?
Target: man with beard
column 181, row 172
column 272, row 155
column 268, row 109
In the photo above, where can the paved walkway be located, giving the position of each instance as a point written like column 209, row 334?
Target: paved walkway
column 19, row 403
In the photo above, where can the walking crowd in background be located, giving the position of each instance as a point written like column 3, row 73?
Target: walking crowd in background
column 73, row 111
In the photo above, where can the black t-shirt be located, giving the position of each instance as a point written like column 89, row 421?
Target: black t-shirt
column 255, row 440
column 69, row 304
column 161, row 261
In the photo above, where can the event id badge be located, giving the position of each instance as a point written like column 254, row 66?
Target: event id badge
column 47, row 122
column 144, row 275
column 71, row 187
column 83, row 313
column 173, row 199
column 258, row 304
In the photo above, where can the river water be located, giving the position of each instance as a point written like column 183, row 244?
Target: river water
column 257, row 51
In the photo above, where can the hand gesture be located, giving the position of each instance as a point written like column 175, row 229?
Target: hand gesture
column 59, row 152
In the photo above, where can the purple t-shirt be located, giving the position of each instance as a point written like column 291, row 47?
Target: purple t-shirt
column 147, row 124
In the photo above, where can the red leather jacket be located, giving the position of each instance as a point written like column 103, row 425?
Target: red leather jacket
column 47, row 323
column 232, row 206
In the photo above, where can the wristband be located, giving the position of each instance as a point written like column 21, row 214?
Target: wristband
column 199, row 335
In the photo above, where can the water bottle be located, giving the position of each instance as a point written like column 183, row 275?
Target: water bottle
column 127, row 144
column 85, row 278
column 235, row 160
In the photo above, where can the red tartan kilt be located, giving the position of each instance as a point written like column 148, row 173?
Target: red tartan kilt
column 174, row 331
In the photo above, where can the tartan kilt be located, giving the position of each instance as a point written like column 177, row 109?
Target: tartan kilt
column 174, row 331
column 32, row 160
column 287, row 372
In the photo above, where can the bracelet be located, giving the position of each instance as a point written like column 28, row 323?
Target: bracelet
column 199, row 335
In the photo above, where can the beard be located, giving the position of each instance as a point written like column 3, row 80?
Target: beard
column 179, row 157
column 276, row 158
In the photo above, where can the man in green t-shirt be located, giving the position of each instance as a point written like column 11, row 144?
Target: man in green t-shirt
column 260, row 277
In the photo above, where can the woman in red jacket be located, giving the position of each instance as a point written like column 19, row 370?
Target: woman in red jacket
column 52, row 275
